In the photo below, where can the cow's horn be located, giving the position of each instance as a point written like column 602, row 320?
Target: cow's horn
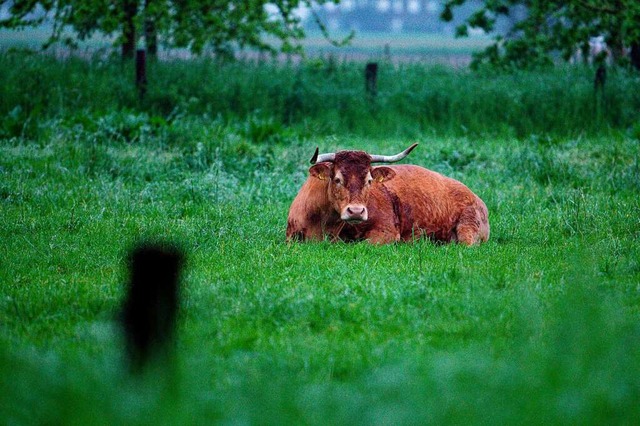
column 392, row 158
column 322, row 157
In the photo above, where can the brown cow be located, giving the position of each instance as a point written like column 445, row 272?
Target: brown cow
column 345, row 198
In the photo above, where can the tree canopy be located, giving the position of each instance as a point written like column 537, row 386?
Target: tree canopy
column 553, row 29
column 221, row 25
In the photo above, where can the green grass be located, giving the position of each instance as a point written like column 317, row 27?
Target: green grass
column 539, row 325
column 317, row 97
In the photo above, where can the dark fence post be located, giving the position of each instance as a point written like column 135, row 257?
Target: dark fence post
column 141, row 72
column 150, row 309
column 371, row 78
column 634, row 55
column 600, row 79
column 598, row 90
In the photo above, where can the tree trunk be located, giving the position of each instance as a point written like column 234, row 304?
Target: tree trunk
column 130, row 9
column 150, row 30
column 151, row 38
column 616, row 46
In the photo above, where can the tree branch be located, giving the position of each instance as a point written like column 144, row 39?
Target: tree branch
column 611, row 10
column 325, row 32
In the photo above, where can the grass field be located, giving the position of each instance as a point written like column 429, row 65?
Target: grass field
column 539, row 325
column 317, row 97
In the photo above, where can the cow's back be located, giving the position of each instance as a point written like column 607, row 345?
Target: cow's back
column 430, row 203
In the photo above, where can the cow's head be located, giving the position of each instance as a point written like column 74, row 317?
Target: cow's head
column 350, row 177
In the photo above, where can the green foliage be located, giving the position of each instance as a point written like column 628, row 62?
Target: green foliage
column 220, row 26
column 552, row 28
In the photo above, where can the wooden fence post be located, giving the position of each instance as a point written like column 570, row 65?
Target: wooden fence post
column 371, row 79
column 598, row 90
column 141, row 72
column 634, row 55
column 600, row 79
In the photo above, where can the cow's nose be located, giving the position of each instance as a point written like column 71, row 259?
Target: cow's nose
column 355, row 213
column 356, row 210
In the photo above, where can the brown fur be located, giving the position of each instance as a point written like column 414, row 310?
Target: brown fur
column 403, row 202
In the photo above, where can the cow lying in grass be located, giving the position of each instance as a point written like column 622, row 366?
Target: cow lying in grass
column 345, row 198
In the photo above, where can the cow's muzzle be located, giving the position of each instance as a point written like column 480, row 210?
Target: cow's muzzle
column 355, row 213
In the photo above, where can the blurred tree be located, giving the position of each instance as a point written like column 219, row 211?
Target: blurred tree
column 552, row 28
column 222, row 25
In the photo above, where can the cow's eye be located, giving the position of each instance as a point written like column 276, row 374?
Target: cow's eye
column 337, row 181
column 370, row 181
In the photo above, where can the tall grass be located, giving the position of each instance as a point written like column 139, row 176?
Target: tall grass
column 321, row 96
column 539, row 325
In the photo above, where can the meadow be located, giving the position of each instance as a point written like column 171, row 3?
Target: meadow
column 538, row 326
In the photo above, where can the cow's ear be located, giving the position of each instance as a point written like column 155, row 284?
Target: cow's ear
column 321, row 171
column 382, row 174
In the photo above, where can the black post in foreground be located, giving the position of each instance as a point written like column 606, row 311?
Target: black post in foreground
column 141, row 72
column 371, row 79
column 150, row 310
